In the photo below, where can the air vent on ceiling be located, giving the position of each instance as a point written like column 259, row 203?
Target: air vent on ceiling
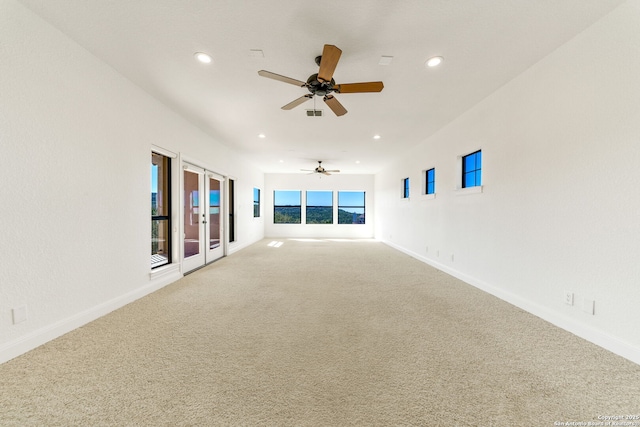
column 314, row 113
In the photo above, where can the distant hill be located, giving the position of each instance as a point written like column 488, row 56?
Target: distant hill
column 319, row 215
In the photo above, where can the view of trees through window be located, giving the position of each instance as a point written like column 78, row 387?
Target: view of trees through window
column 350, row 207
column 286, row 207
column 319, row 207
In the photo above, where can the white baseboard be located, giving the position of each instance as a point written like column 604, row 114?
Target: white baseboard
column 159, row 278
column 43, row 335
column 599, row 338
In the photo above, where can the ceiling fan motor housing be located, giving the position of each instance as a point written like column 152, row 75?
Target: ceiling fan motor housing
column 320, row 88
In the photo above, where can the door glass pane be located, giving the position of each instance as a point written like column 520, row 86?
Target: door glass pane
column 214, row 213
column 191, row 214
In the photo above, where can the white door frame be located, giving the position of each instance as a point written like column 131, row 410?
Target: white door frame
column 206, row 254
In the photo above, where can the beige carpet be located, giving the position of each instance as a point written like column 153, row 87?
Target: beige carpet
column 317, row 333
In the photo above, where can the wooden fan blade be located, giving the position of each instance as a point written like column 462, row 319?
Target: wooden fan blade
column 332, row 170
column 274, row 76
column 335, row 106
column 359, row 87
column 328, row 63
column 325, row 173
column 301, row 100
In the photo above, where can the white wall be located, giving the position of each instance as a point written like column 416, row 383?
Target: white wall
column 304, row 182
column 75, row 146
column 560, row 207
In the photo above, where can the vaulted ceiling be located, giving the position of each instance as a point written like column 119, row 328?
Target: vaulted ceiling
column 484, row 43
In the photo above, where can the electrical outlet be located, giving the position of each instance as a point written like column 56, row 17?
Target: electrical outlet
column 568, row 297
column 588, row 306
column 19, row 314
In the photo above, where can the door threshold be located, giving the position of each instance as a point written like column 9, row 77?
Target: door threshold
column 203, row 266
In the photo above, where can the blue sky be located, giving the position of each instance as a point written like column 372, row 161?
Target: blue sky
column 286, row 198
column 318, row 198
column 350, row 198
column 154, row 178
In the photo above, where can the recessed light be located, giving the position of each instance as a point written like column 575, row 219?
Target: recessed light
column 434, row 62
column 357, row 162
column 281, row 161
column 262, row 135
column 203, row 57
column 376, row 137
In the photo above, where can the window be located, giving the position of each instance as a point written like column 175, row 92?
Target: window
column 430, row 181
column 405, row 188
column 160, row 210
column 256, row 203
column 350, row 207
column 286, row 207
column 319, row 207
column 472, row 169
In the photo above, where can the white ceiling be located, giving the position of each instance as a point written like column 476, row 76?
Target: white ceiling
column 485, row 43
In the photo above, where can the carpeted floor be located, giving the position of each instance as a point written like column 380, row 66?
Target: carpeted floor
column 317, row 333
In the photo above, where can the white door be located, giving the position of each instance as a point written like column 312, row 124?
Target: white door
column 203, row 237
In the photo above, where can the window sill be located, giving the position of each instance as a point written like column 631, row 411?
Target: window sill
column 428, row 196
column 164, row 271
column 469, row 190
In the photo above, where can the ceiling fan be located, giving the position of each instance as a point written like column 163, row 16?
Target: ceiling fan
column 320, row 169
column 322, row 83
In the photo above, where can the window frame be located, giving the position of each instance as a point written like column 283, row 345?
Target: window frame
column 406, row 188
column 299, row 206
column 477, row 171
column 167, row 216
column 256, row 203
column 426, row 182
column 363, row 207
column 307, row 206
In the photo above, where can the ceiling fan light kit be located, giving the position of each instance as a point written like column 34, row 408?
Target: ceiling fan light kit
column 322, row 84
column 321, row 170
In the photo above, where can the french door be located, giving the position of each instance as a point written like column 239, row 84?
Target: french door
column 203, row 236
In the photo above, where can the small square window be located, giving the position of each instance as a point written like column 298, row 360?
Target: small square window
column 256, row 202
column 472, row 169
column 405, row 188
column 430, row 181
